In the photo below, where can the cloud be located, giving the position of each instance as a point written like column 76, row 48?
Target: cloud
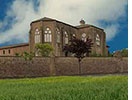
column 23, row 12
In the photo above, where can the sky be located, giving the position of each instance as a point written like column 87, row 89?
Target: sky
column 111, row 15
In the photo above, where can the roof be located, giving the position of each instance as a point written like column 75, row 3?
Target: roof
column 50, row 19
column 77, row 27
column 44, row 19
column 14, row 46
column 87, row 26
column 83, row 26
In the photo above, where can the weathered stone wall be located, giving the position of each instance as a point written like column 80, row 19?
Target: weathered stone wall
column 92, row 65
column 14, row 67
column 17, row 67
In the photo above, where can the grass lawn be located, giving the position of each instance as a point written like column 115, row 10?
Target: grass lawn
column 65, row 88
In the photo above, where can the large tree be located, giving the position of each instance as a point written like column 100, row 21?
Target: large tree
column 79, row 48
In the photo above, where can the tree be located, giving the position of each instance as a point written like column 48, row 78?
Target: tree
column 79, row 48
column 124, row 52
column 44, row 49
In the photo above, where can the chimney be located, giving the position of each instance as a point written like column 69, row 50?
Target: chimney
column 82, row 22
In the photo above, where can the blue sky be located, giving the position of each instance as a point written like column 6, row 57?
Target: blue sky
column 111, row 15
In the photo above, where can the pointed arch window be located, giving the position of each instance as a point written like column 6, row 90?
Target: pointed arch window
column 47, row 35
column 98, row 39
column 58, row 36
column 84, row 37
column 37, row 36
column 66, row 37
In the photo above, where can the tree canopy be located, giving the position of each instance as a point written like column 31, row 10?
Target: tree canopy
column 44, row 49
column 79, row 48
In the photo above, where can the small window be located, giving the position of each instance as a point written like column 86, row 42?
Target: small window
column 98, row 39
column 84, row 37
column 3, row 51
column 58, row 35
column 66, row 37
column 9, row 51
column 73, row 35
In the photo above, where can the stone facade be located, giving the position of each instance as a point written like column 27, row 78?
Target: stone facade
column 58, row 34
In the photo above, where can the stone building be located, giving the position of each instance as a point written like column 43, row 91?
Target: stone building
column 13, row 50
column 58, row 34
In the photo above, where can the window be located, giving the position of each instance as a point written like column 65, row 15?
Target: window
column 37, row 36
column 84, row 37
column 9, row 51
column 97, row 39
column 66, row 37
column 58, row 35
column 47, row 35
column 3, row 51
column 73, row 35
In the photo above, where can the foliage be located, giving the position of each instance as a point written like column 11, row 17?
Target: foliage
column 28, row 56
column 110, row 54
column 124, row 52
column 44, row 49
column 66, row 88
column 79, row 48
column 121, row 53
column 17, row 55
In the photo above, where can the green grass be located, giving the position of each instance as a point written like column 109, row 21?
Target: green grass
column 65, row 88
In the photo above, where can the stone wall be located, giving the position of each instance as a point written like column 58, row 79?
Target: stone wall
column 15, row 67
column 11, row 67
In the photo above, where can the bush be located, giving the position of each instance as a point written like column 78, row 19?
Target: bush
column 28, row 56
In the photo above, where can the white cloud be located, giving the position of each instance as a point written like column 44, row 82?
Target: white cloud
column 69, row 11
column 112, row 30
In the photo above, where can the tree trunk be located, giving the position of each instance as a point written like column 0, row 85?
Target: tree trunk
column 79, row 62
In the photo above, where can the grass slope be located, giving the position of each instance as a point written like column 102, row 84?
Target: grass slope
column 65, row 88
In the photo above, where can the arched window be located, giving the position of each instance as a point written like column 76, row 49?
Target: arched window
column 37, row 36
column 58, row 36
column 98, row 39
column 66, row 37
column 47, row 35
column 84, row 37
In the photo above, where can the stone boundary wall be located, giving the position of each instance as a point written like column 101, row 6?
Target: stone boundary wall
column 16, row 67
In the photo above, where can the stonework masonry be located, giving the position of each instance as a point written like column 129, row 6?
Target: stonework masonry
column 58, row 34
column 81, row 31
column 16, row 67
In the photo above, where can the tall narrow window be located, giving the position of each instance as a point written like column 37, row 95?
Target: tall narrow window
column 84, row 37
column 58, row 36
column 47, row 35
column 9, row 51
column 3, row 51
column 37, row 36
column 98, row 39
column 66, row 37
